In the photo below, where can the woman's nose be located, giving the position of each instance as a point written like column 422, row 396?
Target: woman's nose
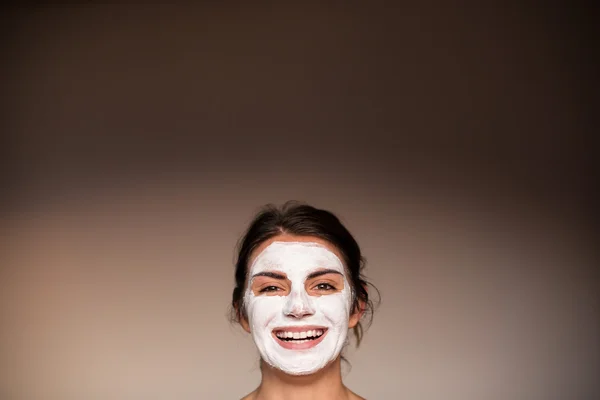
column 298, row 305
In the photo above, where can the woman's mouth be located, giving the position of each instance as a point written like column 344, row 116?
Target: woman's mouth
column 299, row 338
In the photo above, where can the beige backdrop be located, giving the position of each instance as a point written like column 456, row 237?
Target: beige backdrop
column 140, row 141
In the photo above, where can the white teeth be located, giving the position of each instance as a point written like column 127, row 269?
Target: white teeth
column 300, row 336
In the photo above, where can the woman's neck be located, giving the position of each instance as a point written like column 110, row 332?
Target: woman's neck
column 326, row 384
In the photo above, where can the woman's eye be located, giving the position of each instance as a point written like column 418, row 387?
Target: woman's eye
column 324, row 286
column 269, row 289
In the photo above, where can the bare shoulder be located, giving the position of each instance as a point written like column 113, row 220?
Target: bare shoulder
column 249, row 396
column 354, row 396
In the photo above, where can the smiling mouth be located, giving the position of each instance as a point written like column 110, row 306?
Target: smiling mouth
column 299, row 338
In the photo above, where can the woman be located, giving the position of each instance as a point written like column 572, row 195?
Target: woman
column 299, row 289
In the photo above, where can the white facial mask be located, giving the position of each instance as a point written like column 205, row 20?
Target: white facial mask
column 297, row 309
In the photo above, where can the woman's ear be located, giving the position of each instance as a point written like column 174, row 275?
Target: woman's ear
column 243, row 320
column 358, row 312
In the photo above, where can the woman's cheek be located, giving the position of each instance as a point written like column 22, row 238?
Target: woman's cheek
column 263, row 309
column 334, row 307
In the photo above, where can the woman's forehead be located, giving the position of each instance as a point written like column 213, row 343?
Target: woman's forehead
column 295, row 243
column 296, row 257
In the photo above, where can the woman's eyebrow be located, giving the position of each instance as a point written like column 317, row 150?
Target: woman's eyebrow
column 270, row 274
column 323, row 272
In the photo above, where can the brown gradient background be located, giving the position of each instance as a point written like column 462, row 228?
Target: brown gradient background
column 139, row 141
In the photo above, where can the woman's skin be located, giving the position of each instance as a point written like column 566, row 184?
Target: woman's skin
column 325, row 384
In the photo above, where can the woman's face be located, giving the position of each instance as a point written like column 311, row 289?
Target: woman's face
column 298, row 302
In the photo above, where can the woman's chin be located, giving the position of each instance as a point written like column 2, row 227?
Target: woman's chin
column 305, row 371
